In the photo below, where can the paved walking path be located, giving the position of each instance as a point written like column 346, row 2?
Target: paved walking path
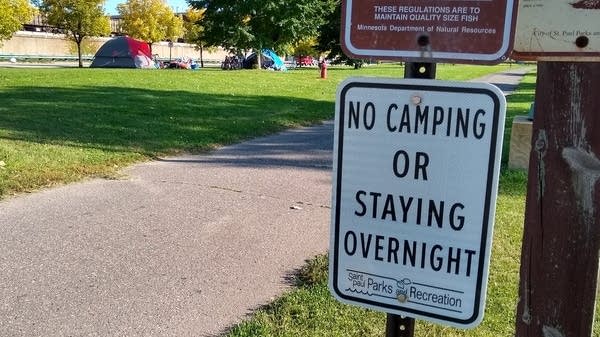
column 184, row 246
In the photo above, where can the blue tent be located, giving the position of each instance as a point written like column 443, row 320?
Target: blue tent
column 277, row 62
column 268, row 59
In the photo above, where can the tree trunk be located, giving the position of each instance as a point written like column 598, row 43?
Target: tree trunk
column 78, row 42
column 258, row 58
column 201, row 57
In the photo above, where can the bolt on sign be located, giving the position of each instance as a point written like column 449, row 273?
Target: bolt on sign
column 558, row 30
column 416, row 166
column 428, row 30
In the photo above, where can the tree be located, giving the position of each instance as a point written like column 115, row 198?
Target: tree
column 150, row 21
column 329, row 38
column 194, row 31
column 257, row 24
column 305, row 47
column 13, row 14
column 223, row 22
column 78, row 19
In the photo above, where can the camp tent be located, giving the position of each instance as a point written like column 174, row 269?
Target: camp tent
column 277, row 61
column 123, row 52
column 268, row 60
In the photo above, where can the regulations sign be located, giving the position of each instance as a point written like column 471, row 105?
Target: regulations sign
column 416, row 166
column 428, row 30
column 558, row 30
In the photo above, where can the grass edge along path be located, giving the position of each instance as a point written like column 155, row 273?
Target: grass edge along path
column 309, row 310
column 63, row 125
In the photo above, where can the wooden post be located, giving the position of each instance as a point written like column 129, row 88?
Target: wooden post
column 559, row 262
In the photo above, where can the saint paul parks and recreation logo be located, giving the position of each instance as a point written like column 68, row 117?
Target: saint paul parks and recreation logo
column 404, row 290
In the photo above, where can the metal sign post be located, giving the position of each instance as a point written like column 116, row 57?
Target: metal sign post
column 419, row 70
column 396, row 325
column 170, row 49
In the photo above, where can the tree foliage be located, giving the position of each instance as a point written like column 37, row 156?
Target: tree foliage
column 257, row 24
column 194, row 30
column 150, row 20
column 78, row 19
column 305, row 47
column 13, row 14
column 329, row 38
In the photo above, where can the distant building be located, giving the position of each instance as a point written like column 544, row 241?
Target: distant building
column 38, row 24
column 116, row 20
column 115, row 25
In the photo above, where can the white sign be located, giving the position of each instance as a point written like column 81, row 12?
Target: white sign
column 557, row 30
column 416, row 167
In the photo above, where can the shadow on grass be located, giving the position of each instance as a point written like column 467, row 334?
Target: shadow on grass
column 159, row 122
column 152, row 122
column 524, row 96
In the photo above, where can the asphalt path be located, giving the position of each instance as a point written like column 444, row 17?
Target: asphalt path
column 183, row 246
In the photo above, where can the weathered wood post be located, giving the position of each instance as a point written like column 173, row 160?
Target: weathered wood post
column 559, row 264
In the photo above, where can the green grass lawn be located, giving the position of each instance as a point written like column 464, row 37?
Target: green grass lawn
column 63, row 125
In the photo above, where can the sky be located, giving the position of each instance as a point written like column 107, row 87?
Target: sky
column 176, row 5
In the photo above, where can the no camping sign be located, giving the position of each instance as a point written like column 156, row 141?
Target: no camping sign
column 416, row 166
